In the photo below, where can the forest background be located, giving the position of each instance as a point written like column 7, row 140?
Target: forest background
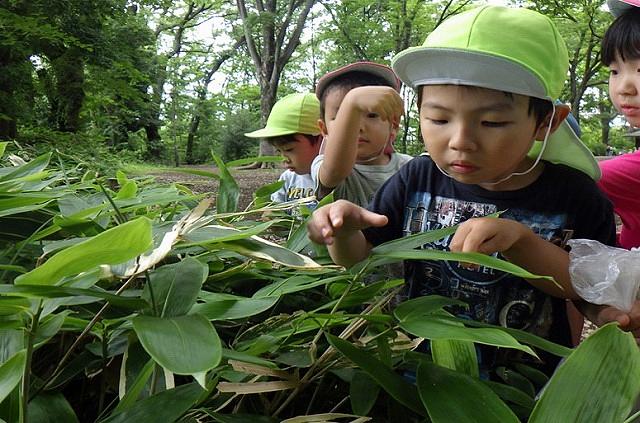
column 170, row 81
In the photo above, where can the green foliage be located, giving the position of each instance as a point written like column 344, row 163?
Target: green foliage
column 187, row 312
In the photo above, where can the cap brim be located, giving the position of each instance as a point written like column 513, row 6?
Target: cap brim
column 565, row 147
column 269, row 133
column 419, row 66
column 381, row 71
column 618, row 7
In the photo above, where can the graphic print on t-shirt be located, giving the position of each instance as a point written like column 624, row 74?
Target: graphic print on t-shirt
column 493, row 296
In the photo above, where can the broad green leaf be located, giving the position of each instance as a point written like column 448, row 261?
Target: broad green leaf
column 257, row 159
column 450, row 396
column 113, row 246
column 413, row 241
column 455, row 355
column 424, row 306
column 510, row 394
column 435, row 327
column 363, row 393
column 11, row 341
column 184, row 345
column 32, row 167
column 400, row 389
column 11, row 372
column 3, row 146
column 475, row 258
column 241, row 418
column 268, row 189
column 39, row 291
column 13, row 305
column 127, row 191
column 213, row 234
column 175, row 287
column 226, row 308
column 295, row 284
column 261, row 249
column 228, row 191
column 165, row 407
column 51, row 408
column 598, row 382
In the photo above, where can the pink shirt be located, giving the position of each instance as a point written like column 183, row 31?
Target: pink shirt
column 621, row 184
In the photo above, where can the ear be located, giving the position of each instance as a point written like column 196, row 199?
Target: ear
column 562, row 110
column 323, row 127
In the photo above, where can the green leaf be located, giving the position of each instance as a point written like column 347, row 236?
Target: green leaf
column 436, row 327
column 455, row 397
column 113, row 246
column 598, row 382
column 176, row 286
column 51, row 408
column 259, row 159
column 39, row 291
column 475, row 258
column 184, row 345
column 165, row 407
column 136, row 387
column 227, row 307
column 228, row 191
column 455, row 355
column 424, row 306
column 363, row 393
column 11, row 373
column 401, row 390
column 295, row 284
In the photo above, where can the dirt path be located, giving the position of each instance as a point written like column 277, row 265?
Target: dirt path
column 249, row 180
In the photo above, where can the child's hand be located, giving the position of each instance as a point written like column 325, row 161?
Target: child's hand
column 341, row 219
column 488, row 235
column 385, row 102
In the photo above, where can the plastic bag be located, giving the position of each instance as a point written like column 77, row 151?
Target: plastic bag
column 604, row 275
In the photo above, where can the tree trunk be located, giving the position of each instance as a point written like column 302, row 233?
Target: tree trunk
column 69, row 90
column 8, row 118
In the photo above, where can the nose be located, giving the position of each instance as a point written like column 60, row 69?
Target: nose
column 627, row 84
column 461, row 138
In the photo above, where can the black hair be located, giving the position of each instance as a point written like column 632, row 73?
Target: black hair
column 284, row 139
column 622, row 38
column 349, row 81
column 538, row 107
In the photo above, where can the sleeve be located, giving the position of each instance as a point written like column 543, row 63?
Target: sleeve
column 318, row 189
column 280, row 196
column 620, row 182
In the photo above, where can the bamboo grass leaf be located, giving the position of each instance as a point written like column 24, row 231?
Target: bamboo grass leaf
column 113, row 246
column 400, row 389
column 598, row 382
column 441, row 391
column 185, row 345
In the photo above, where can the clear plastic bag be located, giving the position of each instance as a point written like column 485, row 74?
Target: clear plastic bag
column 604, row 275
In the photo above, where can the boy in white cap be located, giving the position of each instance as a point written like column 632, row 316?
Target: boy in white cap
column 496, row 143
column 357, row 154
column 292, row 128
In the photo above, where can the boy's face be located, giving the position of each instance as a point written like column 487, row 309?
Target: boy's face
column 374, row 134
column 624, row 88
column 298, row 154
column 479, row 136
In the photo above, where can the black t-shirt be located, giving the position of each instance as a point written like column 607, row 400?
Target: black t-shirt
column 563, row 203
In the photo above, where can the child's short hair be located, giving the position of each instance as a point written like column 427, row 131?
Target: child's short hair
column 358, row 74
column 313, row 139
column 622, row 38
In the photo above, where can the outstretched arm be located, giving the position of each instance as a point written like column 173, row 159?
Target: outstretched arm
column 521, row 246
column 341, row 144
column 339, row 225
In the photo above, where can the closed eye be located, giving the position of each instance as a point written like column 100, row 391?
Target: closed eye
column 492, row 124
column 438, row 121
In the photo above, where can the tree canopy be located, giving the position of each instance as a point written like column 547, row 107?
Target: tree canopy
column 170, row 80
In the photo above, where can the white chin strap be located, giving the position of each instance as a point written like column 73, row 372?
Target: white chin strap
column 535, row 163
